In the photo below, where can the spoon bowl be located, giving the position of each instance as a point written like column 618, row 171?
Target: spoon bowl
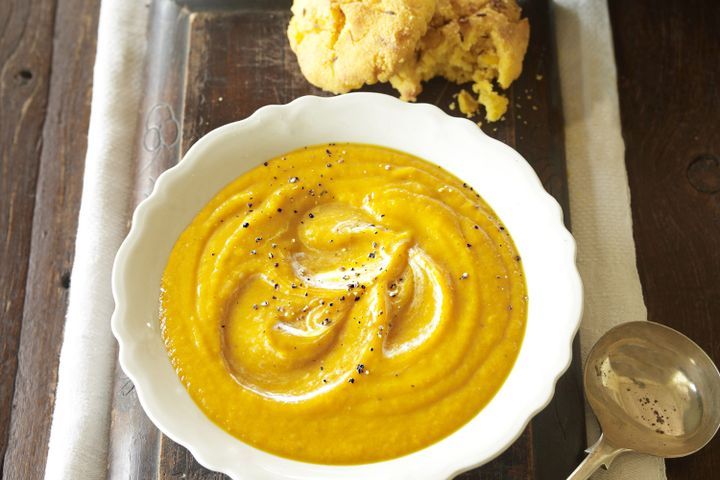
column 653, row 391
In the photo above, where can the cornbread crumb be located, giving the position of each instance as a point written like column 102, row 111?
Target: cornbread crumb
column 343, row 44
column 495, row 104
column 467, row 103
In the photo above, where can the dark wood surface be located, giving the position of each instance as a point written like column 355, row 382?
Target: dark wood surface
column 46, row 57
column 668, row 62
column 25, row 42
column 668, row 74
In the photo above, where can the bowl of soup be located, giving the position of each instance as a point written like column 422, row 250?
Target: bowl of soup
column 346, row 287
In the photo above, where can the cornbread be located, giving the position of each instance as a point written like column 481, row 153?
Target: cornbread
column 344, row 304
column 343, row 44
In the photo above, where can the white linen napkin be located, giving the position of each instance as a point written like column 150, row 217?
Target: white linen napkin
column 599, row 193
column 599, row 204
column 79, row 433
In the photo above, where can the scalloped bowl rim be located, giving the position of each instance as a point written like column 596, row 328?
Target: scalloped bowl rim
column 504, row 179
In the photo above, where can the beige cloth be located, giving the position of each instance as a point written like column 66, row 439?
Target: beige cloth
column 599, row 193
column 81, row 420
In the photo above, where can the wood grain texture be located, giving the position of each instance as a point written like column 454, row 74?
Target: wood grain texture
column 54, row 222
column 537, row 122
column 668, row 62
column 239, row 60
column 26, row 30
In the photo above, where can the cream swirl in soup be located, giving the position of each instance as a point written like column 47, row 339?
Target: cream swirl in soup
column 344, row 304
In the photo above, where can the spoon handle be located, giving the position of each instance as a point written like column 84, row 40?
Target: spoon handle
column 602, row 453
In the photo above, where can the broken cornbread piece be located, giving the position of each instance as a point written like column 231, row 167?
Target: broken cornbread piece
column 468, row 40
column 467, row 103
column 343, row 44
column 494, row 103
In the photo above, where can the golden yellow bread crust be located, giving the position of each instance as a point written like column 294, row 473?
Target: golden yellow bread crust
column 342, row 45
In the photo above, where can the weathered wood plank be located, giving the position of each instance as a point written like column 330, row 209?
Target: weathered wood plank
column 54, row 223
column 559, row 430
column 668, row 75
column 26, row 30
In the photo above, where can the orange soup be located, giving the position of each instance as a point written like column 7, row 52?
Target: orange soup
column 343, row 304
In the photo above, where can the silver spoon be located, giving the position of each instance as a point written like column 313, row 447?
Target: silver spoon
column 653, row 391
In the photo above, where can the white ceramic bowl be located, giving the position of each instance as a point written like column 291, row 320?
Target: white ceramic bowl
column 496, row 171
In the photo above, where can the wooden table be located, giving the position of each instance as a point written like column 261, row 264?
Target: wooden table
column 668, row 76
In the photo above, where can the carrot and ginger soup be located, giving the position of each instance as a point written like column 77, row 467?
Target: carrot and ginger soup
column 343, row 304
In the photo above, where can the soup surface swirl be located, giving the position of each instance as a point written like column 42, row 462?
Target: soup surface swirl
column 343, row 304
